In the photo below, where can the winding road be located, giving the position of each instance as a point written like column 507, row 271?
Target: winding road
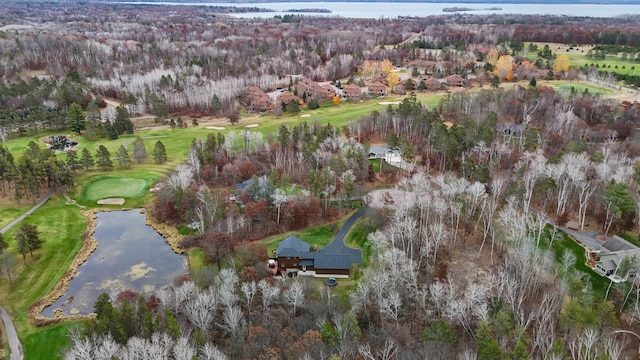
column 15, row 348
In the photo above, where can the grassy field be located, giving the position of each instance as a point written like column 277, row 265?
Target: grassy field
column 109, row 186
column 40, row 275
column 318, row 237
column 610, row 63
column 11, row 211
column 579, row 87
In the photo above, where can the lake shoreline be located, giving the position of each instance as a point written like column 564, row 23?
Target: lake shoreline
column 89, row 246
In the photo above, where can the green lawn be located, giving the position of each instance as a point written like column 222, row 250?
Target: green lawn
column 109, row 186
column 41, row 274
column 49, row 342
column 318, row 237
column 11, row 211
column 599, row 283
column 608, row 64
column 579, row 87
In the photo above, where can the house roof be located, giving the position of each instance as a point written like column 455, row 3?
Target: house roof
column 377, row 85
column 306, row 262
column 378, row 150
column 455, row 77
column 617, row 244
column 244, row 184
column 332, row 262
column 432, row 80
column 352, row 87
column 292, row 246
column 287, row 97
column 608, row 265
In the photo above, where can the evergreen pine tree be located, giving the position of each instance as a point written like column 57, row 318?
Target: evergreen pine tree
column 159, row 153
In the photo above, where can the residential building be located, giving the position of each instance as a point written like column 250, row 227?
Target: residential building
column 611, row 256
column 256, row 100
column 352, row 91
column 295, row 256
column 377, row 89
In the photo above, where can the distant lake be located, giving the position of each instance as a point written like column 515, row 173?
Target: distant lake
column 376, row 10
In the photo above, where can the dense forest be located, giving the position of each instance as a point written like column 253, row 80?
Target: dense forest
column 472, row 263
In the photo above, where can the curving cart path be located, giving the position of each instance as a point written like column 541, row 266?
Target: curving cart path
column 15, row 348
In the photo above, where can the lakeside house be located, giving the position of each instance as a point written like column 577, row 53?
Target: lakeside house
column 296, row 257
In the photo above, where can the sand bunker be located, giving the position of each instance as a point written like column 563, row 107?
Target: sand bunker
column 215, row 127
column 305, row 115
column 390, row 103
column 111, row 201
column 252, row 126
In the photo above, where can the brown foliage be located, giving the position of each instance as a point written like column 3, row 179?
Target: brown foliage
column 127, row 295
column 250, row 253
column 217, row 246
column 257, row 211
column 249, row 274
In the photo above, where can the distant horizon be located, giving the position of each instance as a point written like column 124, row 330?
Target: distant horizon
column 511, row 2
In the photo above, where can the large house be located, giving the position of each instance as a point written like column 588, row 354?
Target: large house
column 296, row 256
column 455, row 80
column 377, row 89
column 286, row 98
column 611, row 256
column 315, row 90
column 352, row 91
column 433, row 84
column 256, row 100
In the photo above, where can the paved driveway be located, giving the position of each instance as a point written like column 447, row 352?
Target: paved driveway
column 337, row 245
column 588, row 239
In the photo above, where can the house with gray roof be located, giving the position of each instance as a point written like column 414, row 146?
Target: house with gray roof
column 611, row 256
column 296, row 256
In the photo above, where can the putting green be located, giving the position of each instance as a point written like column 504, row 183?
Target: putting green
column 109, row 187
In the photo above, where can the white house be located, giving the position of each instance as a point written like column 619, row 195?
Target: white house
column 611, row 255
column 384, row 152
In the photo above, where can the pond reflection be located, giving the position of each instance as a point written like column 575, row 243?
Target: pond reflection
column 130, row 256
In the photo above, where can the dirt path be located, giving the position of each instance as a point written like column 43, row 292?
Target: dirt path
column 15, row 348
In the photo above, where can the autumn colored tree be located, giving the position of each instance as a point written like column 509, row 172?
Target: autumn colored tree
column 561, row 63
column 492, row 57
column 392, row 79
column 386, row 66
column 217, row 247
column 504, row 67
column 250, row 253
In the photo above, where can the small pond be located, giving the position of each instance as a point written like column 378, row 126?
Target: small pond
column 130, row 256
